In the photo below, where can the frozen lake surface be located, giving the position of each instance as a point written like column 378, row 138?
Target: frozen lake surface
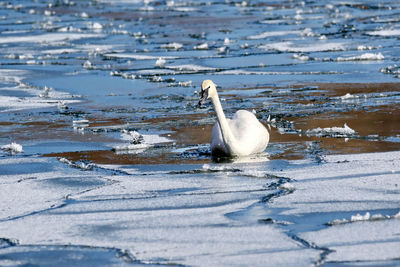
column 104, row 153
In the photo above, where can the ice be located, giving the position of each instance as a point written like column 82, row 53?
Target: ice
column 160, row 63
column 189, row 67
column 210, row 217
column 157, row 219
column 96, row 26
column 172, row 46
column 364, row 186
column 136, row 56
column 366, row 217
column 9, row 103
column 332, row 131
column 301, row 57
column 348, row 96
column 227, row 41
column 12, row 148
column 363, row 57
column 138, row 142
column 35, row 184
column 132, row 136
column 203, row 46
column 48, row 38
column 289, row 46
column 394, row 32
column 271, row 34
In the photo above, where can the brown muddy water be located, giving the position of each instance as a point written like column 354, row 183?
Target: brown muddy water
column 373, row 126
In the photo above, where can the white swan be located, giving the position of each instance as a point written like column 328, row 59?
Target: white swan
column 240, row 136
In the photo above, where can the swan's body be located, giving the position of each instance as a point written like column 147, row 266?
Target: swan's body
column 240, row 136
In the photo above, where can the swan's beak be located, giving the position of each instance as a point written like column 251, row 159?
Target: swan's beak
column 203, row 98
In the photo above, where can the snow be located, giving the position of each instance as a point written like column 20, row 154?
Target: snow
column 12, row 148
column 394, row 32
column 48, row 38
column 365, row 186
column 10, row 103
column 332, row 131
column 138, row 142
column 160, row 63
column 203, row 46
column 289, row 46
column 136, row 56
column 172, row 46
column 363, row 57
column 45, row 97
column 209, row 214
column 189, row 67
column 271, row 34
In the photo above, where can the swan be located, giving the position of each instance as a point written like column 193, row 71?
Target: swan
column 240, row 136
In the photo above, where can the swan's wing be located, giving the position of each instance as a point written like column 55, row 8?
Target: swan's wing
column 251, row 135
column 217, row 143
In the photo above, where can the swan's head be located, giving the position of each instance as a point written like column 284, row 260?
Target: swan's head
column 208, row 90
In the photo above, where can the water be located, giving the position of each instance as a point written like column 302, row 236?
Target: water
column 79, row 79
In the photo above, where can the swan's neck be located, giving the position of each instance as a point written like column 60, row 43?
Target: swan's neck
column 226, row 132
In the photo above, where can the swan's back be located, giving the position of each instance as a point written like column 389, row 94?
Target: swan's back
column 250, row 135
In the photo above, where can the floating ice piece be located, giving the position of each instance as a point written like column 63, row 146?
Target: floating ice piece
column 287, row 186
column 185, row 84
column 190, row 67
column 48, row 38
column 62, row 105
column 221, row 49
column 363, row 47
column 348, row 96
column 80, row 122
column 137, row 56
column 365, row 56
column 45, row 92
column 130, row 148
column 362, row 218
column 292, row 47
column 96, row 26
column 172, row 46
column 79, row 164
column 227, row 41
column 13, row 148
column 87, row 65
column 394, row 32
column 359, row 217
column 332, row 131
column 139, row 142
column 203, row 46
column 132, row 136
column 185, row 9
column 80, row 125
column 301, row 57
column 160, row 63
column 271, row 34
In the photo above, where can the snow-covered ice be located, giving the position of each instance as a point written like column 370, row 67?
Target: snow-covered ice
column 332, row 131
column 12, row 148
column 215, row 217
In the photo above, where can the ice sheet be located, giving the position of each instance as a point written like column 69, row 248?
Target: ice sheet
column 289, row 46
column 361, row 189
column 166, row 218
column 48, row 38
